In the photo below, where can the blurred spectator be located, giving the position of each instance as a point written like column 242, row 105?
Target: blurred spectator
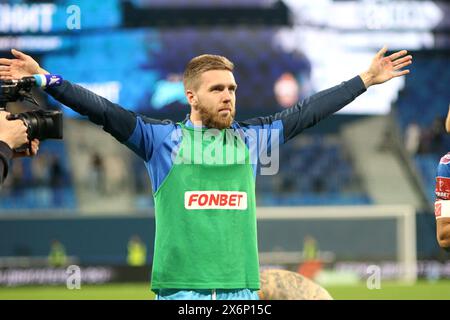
column 97, row 173
column 137, row 252
column 116, row 177
column 310, row 248
column 40, row 171
column 311, row 264
column 286, row 90
column 318, row 184
column 56, row 173
column 412, row 138
column 17, row 178
column 437, row 134
column 425, row 141
column 141, row 180
column 56, row 180
column 57, row 256
column 431, row 140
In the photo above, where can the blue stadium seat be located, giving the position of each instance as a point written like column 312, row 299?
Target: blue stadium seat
column 425, row 99
column 316, row 173
column 23, row 190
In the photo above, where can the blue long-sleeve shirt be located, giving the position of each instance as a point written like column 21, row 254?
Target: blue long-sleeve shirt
column 154, row 140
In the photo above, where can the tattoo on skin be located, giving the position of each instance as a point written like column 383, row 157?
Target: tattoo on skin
column 287, row 285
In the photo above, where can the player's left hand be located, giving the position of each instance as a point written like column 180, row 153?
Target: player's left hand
column 27, row 152
column 384, row 68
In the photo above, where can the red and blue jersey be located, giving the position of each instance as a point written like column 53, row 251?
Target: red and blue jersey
column 442, row 190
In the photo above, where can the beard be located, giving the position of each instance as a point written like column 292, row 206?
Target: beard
column 213, row 119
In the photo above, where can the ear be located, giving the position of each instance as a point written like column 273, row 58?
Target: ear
column 192, row 98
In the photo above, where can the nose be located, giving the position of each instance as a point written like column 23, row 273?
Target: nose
column 226, row 95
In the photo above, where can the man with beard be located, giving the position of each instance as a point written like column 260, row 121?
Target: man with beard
column 203, row 169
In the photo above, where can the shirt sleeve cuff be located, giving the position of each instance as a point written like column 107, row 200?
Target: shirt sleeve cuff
column 5, row 151
column 58, row 90
column 356, row 85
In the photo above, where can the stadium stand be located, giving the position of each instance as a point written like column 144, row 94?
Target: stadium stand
column 43, row 182
column 315, row 171
column 425, row 101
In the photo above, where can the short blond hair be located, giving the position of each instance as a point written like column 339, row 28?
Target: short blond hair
column 201, row 64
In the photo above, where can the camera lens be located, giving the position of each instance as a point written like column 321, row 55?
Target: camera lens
column 43, row 124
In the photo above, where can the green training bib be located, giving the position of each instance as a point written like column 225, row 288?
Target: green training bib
column 206, row 216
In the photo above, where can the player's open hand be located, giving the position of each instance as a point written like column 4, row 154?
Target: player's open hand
column 384, row 68
column 22, row 66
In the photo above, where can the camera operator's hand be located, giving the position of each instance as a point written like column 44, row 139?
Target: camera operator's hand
column 23, row 66
column 28, row 152
column 12, row 132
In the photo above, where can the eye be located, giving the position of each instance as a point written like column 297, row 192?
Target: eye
column 216, row 89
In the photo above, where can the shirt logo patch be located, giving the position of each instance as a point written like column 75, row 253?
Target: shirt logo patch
column 437, row 209
column 224, row 200
column 442, row 188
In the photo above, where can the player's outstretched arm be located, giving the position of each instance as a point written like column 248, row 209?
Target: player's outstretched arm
column 117, row 121
column 114, row 119
column 319, row 106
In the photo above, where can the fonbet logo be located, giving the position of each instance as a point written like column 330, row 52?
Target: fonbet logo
column 227, row 200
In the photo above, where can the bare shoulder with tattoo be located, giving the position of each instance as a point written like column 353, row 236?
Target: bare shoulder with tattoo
column 288, row 285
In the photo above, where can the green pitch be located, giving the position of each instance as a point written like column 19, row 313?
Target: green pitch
column 388, row 291
column 129, row 291
column 422, row 290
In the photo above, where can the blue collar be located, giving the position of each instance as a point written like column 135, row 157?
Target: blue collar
column 188, row 123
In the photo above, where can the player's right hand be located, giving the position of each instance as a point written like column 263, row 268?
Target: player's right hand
column 22, row 66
